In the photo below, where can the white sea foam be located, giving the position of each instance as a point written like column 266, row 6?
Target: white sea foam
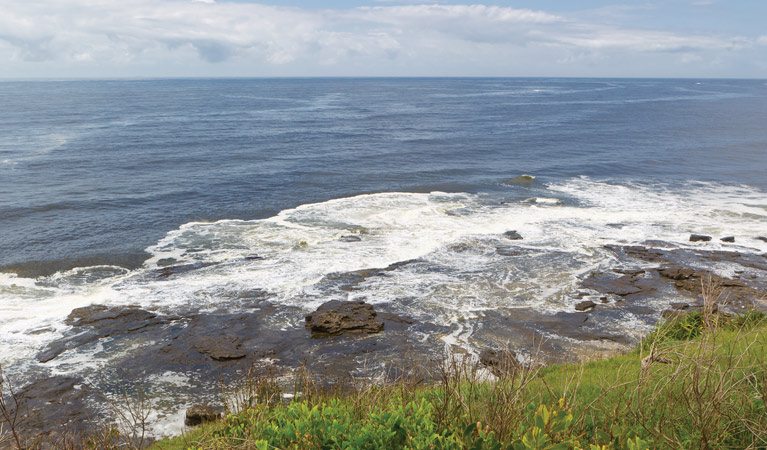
column 453, row 238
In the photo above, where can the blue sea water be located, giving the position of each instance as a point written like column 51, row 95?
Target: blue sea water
column 94, row 172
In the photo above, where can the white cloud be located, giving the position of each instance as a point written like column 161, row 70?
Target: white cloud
column 197, row 33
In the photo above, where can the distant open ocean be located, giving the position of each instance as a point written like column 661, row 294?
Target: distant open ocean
column 252, row 184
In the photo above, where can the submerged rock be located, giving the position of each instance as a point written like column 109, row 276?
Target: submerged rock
column 350, row 238
column 510, row 251
column 728, row 239
column 336, row 317
column 521, row 180
column 699, row 238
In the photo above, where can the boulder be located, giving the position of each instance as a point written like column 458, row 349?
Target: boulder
column 583, row 306
column 728, row 239
column 761, row 238
column 513, row 235
column 199, row 414
column 336, row 317
column 699, row 238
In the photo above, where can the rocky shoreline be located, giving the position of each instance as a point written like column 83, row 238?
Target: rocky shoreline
column 355, row 337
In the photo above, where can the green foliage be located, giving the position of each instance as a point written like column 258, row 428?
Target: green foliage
column 688, row 326
column 691, row 325
column 402, row 426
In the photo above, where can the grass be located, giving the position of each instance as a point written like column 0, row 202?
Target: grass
column 698, row 382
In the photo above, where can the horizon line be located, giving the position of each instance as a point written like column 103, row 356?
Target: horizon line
column 330, row 77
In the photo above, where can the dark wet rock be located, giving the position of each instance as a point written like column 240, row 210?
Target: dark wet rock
column 204, row 345
column 254, row 258
column 337, row 317
column 583, row 306
column 350, row 238
column 350, row 281
column 510, row 251
column 689, row 257
column 676, row 273
column 389, row 317
column 761, row 238
column 639, row 310
column 170, row 271
column 683, row 267
column 199, row 414
column 699, row 238
column 693, row 282
column 629, row 271
column 499, row 363
column 679, row 306
column 603, row 299
column 220, row 348
column 728, row 239
column 41, row 331
column 609, row 284
column 59, row 400
column 97, row 322
column 101, row 316
column 461, row 247
column 658, row 243
column 513, row 235
column 459, row 212
column 639, row 252
column 214, row 341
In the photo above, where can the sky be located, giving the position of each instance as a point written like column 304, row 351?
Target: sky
column 507, row 38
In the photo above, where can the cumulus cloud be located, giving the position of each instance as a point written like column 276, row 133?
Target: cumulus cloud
column 152, row 32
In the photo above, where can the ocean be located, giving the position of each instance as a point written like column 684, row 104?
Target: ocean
column 276, row 189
